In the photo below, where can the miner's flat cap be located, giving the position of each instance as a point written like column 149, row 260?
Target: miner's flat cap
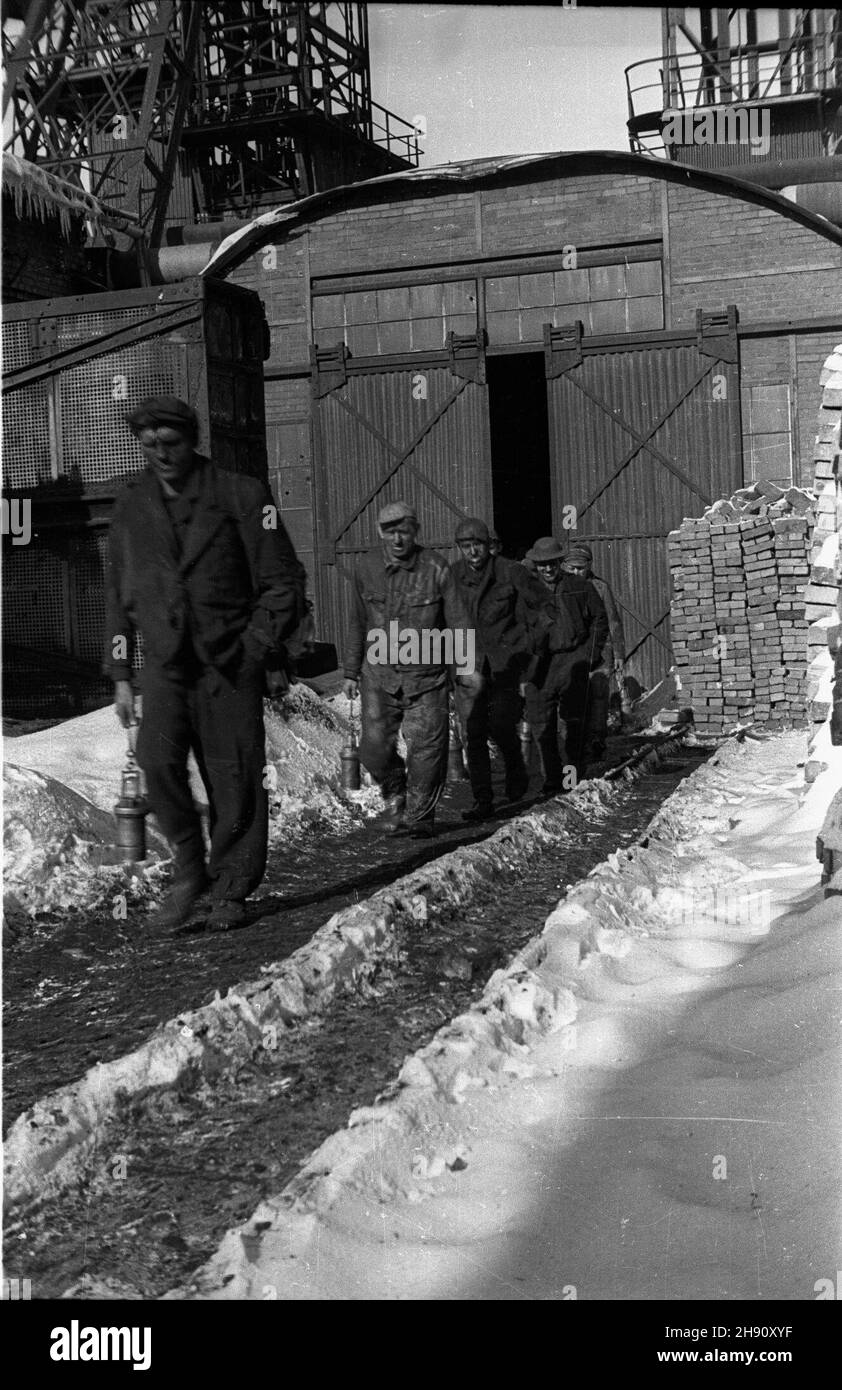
column 396, row 511
column 579, row 555
column 472, row 529
column 168, row 412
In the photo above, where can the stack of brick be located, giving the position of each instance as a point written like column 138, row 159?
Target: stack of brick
column 739, row 631
column 824, row 610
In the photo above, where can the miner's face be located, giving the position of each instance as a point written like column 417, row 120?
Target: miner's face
column 578, row 567
column 475, row 551
column 549, row 571
column 168, row 452
column 399, row 538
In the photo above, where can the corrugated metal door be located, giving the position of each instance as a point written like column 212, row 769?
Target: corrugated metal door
column 642, row 433
column 415, row 429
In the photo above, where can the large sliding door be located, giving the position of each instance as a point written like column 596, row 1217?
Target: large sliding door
column 643, row 432
column 415, row 427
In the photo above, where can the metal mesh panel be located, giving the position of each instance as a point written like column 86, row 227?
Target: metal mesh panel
column 33, row 597
column 16, row 349
column 93, row 400
column 26, row 421
column 87, row 560
column 80, row 328
column 97, row 444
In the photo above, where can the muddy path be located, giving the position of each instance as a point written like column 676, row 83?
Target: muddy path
column 82, row 988
column 173, row 1172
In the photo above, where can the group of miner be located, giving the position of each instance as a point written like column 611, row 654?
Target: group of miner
column 548, row 643
column 201, row 567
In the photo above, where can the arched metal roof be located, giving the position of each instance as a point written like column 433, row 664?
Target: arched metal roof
column 486, row 173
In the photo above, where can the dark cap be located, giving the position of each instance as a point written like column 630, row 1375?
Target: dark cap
column 545, row 548
column 579, row 555
column 472, row 529
column 168, row 412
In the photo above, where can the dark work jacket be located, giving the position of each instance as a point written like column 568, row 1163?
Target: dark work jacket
column 416, row 595
column 511, row 610
column 578, row 603
column 236, row 588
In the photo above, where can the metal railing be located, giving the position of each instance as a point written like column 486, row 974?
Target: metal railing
column 222, row 100
column 744, row 74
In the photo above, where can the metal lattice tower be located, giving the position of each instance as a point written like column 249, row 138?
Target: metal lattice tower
column 786, row 60
column 174, row 111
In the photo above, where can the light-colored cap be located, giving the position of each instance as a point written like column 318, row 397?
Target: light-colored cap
column 396, row 511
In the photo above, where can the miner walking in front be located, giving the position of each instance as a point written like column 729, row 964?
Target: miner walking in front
column 199, row 563
column 402, row 588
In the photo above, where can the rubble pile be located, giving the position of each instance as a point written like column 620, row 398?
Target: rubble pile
column 738, row 614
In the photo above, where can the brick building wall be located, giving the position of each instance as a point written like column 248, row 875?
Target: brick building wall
column 39, row 262
column 714, row 250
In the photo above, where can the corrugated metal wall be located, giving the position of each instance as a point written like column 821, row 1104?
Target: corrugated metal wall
column 638, row 504
column 420, row 434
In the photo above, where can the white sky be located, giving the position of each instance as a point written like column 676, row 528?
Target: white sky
column 509, row 79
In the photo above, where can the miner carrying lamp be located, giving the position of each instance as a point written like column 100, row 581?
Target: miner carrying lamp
column 199, row 563
column 403, row 588
column 576, row 642
column 512, row 614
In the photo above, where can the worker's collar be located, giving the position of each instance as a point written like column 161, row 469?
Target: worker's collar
column 409, row 563
column 188, row 487
column 473, row 576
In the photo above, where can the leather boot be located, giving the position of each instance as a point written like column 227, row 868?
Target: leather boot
column 390, row 818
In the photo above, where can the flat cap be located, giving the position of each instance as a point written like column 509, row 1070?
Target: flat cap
column 472, row 529
column 545, row 548
column 167, row 411
column 396, row 511
column 579, row 555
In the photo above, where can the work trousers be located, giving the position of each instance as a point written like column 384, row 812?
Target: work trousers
column 561, row 689
column 490, row 706
column 423, row 717
column 221, row 720
column 596, row 712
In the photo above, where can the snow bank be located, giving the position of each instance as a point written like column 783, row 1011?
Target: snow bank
column 637, row 1107
column 49, row 1145
column 61, row 784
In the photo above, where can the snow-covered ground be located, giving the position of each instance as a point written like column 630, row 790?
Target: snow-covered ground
column 668, row 1129
column 60, row 786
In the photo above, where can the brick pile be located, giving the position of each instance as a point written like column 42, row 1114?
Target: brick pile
column 739, row 631
column 824, row 608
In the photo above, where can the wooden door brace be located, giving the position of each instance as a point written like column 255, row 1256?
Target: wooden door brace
column 644, row 441
column 398, row 456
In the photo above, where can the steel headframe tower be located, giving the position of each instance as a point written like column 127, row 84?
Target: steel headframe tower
column 98, row 92
column 174, row 111
column 788, row 61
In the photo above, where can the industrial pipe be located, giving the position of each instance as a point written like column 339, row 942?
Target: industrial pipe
column 169, row 264
column 784, row 173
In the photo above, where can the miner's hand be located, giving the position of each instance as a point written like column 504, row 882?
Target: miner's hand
column 277, row 683
column 350, row 689
column 124, row 702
